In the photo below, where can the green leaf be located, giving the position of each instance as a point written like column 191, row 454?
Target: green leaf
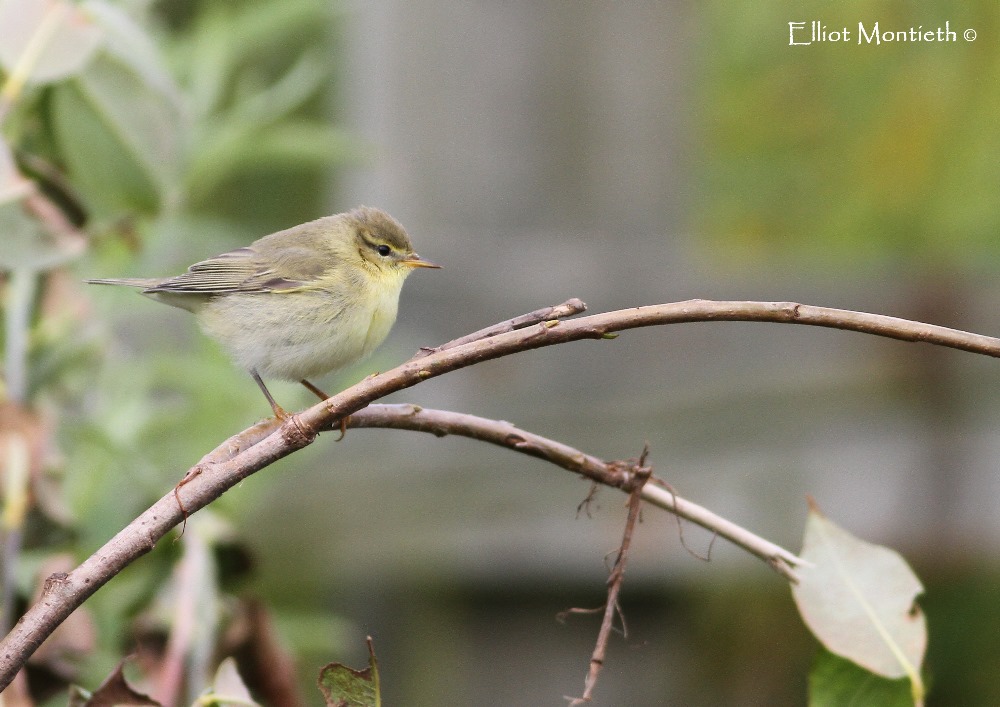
column 238, row 149
column 131, row 45
column 345, row 687
column 224, row 42
column 835, row 682
column 103, row 166
column 236, row 136
column 859, row 600
column 118, row 123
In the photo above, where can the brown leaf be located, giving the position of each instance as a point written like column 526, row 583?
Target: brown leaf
column 115, row 690
column 26, row 441
column 267, row 663
column 17, row 694
column 20, row 426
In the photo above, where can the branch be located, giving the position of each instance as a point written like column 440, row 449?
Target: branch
column 545, row 314
column 504, row 434
column 265, row 443
column 640, row 474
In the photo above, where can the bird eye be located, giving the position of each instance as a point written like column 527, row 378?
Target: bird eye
column 383, row 250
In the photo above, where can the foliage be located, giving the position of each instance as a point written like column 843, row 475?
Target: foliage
column 858, row 599
column 840, row 153
column 142, row 132
column 837, row 681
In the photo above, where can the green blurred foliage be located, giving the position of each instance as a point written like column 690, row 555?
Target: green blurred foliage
column 257, row 79
column 961, row 605
column 847, row 155
column 116, row 126
column 835, row 681
column 183, row 130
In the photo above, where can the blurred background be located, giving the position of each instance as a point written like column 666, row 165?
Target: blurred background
column 625, row 153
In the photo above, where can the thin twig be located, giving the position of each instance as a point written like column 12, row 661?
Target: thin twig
column 707, row 557
column 639, row 476
column 545, row 314
column 504, row 434
column 584, row 505
column 65, row 592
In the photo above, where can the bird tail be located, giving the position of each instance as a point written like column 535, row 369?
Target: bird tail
column 144, row 282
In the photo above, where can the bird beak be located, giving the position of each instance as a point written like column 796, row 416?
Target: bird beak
column 415, row 261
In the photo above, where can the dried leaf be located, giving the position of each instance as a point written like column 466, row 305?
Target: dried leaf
column 253, row 637
column 115, row 690
column 859, row 599
column 228, row 688
column 18, row 694
column 23, row 445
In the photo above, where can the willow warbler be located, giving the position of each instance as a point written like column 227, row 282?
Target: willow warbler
column 300, row 302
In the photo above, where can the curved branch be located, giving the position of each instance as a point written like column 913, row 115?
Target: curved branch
column 265, row 443
column 504, row 434
column 605, row 326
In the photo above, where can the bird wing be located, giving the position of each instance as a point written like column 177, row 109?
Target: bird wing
column 245, row 270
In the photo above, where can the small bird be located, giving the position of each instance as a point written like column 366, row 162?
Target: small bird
column 301, row 302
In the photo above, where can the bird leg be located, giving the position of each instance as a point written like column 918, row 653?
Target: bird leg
column 279, row 412
column 314, row 390
column 323, row 396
